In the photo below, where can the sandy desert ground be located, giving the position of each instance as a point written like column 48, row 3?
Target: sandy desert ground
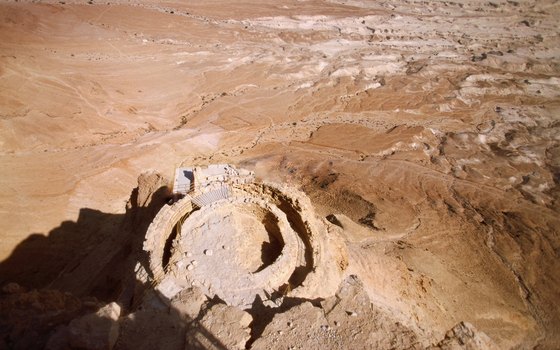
column 429, row 129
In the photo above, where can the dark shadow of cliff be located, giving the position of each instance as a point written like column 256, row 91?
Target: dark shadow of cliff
column 40, row 260
column 48, row 281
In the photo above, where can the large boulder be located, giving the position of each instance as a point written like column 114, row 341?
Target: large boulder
column 222, row 327
column 94, row 331
column 188, row 303
column 151, row 328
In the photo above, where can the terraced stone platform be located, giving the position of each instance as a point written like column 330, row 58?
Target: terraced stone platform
column 240, row 241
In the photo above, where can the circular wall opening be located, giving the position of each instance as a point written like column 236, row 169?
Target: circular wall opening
column 232, row 240
column 259, row 240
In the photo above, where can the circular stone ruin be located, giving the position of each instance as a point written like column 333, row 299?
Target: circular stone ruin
column 239, row 240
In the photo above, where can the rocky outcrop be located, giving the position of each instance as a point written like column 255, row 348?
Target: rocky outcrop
column 189, row 302
column 223, row 327
column 347, row 320
column 464, row 336
column 27, row 318
column 95, row 331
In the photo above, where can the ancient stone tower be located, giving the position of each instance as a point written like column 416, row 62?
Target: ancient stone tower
column 238, row 239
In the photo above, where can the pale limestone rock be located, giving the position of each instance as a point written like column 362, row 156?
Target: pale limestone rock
column 331, row 326
column 150, row 329
column 95, row 331
column 221, row 327
column 189, row 302
column 168, row 287
column 464, row 336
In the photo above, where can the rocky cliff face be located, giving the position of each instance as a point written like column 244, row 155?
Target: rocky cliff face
column 59, row 320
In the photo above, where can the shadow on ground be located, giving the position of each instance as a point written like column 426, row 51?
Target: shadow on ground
column 77, row 287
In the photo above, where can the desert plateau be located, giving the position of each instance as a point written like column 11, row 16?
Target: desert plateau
column 355, row 174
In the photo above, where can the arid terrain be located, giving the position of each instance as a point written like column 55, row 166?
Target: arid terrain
column 426, row 135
